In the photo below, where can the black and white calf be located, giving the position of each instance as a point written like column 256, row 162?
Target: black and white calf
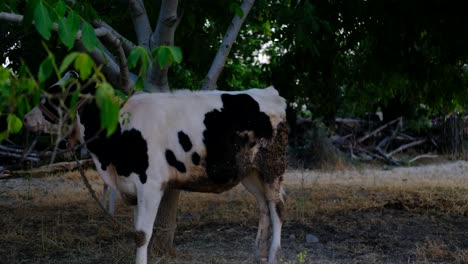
column 193, row 141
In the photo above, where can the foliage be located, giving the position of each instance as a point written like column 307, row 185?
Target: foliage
column 344, row 57
column 21, row 90
column 17, row 94
column 310, row 146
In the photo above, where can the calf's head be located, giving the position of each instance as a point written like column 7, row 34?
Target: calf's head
column 54, row 106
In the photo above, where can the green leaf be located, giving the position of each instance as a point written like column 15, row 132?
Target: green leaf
column 14, row 123
column 68, row 27
column 45, row 69
column 108, row 105
column 121, row 94
column 84, row 64
column 74, row 21
column 68, row 61
column 167, row 55
column 267, row 28
column 60, row 8
column 73, row 102
column 164, row 56
column 176, row 53
column 133, row 58
column 139, row 84
column 88, row 36
column 236, row 9
column 42, row 20
column 29, row 13
column 88, row 11
column 3, row 135
column 4, row 77
column 29, row 86
column 65, row 35
column 139, row 54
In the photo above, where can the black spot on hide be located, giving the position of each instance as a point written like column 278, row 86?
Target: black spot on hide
column 172, row 160
column 195, row 159
column 184, row 141
column 126, row 150
column 222, row 138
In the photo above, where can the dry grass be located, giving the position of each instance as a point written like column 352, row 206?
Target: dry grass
column 432, row 251
column 360, row 216
column 436, row 251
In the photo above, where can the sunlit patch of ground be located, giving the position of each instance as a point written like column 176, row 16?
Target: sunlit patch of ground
column 359, row 215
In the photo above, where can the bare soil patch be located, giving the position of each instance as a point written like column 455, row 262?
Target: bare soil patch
column 359, row 215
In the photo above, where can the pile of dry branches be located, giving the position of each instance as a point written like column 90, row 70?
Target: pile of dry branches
column 16, row 161
column 369, row 140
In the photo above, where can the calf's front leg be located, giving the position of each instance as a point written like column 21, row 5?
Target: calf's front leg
column 145, row 215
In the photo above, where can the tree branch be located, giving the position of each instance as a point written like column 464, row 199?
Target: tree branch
column 163, row 35
column 115, row 42
column 140, row 22
column 228, row 40
column 117, row 75
column 110, row 68
column 15, row 18
column 127, row 45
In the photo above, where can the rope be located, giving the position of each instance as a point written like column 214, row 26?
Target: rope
column 93, row 194
column 166, row 229
column 109, row 216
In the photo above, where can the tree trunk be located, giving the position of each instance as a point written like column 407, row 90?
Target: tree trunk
column 166, row 224
column 163, row 35
column 219, row 61
column 452, row 136
column 166, row 220
column 330, row 94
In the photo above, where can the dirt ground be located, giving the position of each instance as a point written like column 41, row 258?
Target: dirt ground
column 360, row 214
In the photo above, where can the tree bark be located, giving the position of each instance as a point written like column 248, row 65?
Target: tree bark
column 452, row 136
column 166, row 220
column 141, row 22
column 166, row 224
column 219, row 61
column 163, row 35
column 15, row 18
column 127, row 45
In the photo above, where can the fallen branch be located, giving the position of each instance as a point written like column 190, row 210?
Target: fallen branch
column 16, row 150
column 388, row 159
column 406, row 146
column 369, row 153
column 46, row 169
column 340, row 139
column 18, row 156
column 362, row 139
column 403, row 136
column 425, row 156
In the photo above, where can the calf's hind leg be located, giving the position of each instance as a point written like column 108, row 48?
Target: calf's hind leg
column 275, row 197
column 254, row 185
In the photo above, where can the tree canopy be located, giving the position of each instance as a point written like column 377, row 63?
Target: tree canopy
column 337, row 57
